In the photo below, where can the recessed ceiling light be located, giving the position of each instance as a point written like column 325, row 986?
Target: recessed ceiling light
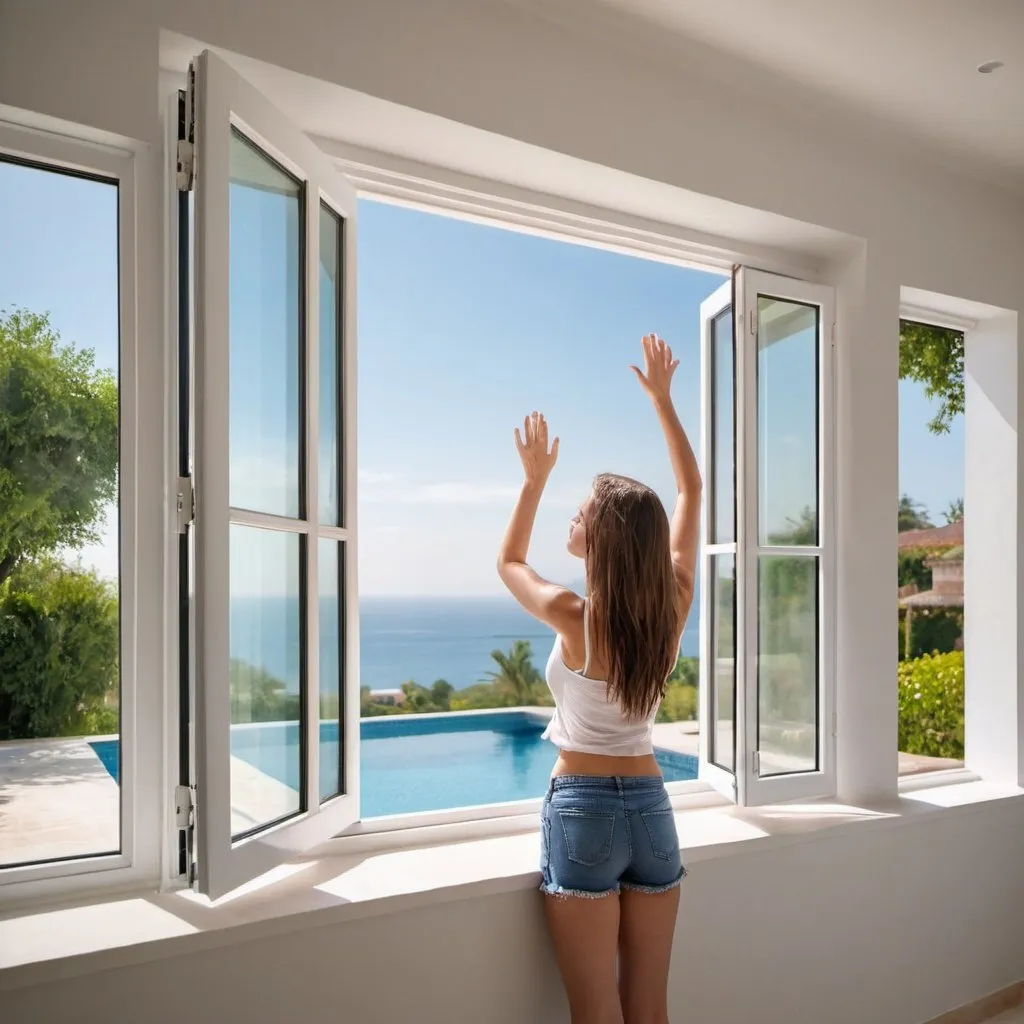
column 989, row 66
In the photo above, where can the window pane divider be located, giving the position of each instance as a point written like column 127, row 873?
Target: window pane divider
column 267, row 521
column 719, row 549
column 786, row 551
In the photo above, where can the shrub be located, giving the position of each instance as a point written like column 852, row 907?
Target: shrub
column 59, row 648
column 679, row 703
column 931, row 705
column 932, row 631
column 911, row 568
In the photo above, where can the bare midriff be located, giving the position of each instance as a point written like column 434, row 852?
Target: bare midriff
column 573, row 762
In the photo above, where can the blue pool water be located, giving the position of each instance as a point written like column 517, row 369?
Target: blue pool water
column 109, row 752
column 415, row 763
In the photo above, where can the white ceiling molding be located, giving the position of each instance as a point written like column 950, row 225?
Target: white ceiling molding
column 486, row 201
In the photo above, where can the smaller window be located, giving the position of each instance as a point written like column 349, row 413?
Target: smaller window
column 930, row 549
column 61, row 687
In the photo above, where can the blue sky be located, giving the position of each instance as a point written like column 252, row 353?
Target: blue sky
column 462, row 330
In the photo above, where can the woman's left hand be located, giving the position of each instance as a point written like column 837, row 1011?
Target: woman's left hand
column 532, row 445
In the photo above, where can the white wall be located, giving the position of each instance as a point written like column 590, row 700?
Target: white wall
column 891, row 926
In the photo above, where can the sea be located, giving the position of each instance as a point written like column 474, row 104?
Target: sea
column 402, row 638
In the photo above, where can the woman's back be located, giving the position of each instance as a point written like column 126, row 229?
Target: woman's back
column 588, row 719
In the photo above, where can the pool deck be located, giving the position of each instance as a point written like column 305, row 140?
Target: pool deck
column 58, row 800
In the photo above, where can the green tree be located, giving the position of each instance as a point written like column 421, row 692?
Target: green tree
column 516, row 675
column 418, row 700
column 934, row 357
column 441, row 694
column 258, row 696
column 799, row 532
column 59, row 646
column 955, row 512
column 58, row 441
column 911, row 567
column 686, row 672
column 912, row 515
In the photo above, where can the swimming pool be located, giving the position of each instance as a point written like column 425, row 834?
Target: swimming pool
column 413, row 763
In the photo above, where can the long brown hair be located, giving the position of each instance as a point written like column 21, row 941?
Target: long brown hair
column 632, row 595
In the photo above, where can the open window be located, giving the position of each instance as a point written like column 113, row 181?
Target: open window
column 768, row 682
column 277, row 702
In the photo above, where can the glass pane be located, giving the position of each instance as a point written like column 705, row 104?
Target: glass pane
column 267, row 742
column 787, row 422
column 723, row 661
column 723, row 452
column 265, row 319
column 331, row 663
column 330, row 335
column 60, row 682
column 787, row 664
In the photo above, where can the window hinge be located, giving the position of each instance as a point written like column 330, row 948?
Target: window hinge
column 833, row 334
column 752, row 316
column 185, row 154
column 184, row 807
column 185, row 821
column 755, row 762
column 186, row 165
column 184, row 504
column 835, row 724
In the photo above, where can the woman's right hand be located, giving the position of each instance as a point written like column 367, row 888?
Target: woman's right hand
column 656, row 377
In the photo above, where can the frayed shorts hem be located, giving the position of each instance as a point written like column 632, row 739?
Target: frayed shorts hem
column 653, row 890
column 585, row 894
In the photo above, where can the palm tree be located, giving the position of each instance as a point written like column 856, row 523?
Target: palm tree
column 516, row 675
column 912, row 515
column 955, row 512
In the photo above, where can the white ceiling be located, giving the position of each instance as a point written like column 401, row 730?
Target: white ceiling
column 911, row 63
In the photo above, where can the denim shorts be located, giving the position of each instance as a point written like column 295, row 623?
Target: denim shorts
column 600, row 834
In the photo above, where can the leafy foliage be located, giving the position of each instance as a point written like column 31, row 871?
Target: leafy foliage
column 516, row 675
column 911, row 567
column 912, row 515
column 934, row 357
column 932, row 631
column 955, row 512
column 59, row 645
column 799, row 532
column 257, row 696
column 517, row 683
column 58, row 441
column 931, row 705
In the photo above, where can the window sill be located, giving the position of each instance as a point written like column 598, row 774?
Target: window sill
column 43, row 945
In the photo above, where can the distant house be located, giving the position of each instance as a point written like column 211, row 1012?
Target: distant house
column 951, row 536
column 393, row 697
column 947, row 587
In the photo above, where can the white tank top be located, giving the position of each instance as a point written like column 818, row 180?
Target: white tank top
column 585, row 720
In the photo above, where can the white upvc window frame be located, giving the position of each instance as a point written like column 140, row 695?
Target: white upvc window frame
column 139, row 856
column 753, row 788
column 744, row 783
column 715, row 774
column 224, row 101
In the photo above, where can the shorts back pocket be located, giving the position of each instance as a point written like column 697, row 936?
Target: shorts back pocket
column 588, row 836
column 661, row 830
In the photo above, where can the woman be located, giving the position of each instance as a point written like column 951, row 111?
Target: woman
column 610, row 853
